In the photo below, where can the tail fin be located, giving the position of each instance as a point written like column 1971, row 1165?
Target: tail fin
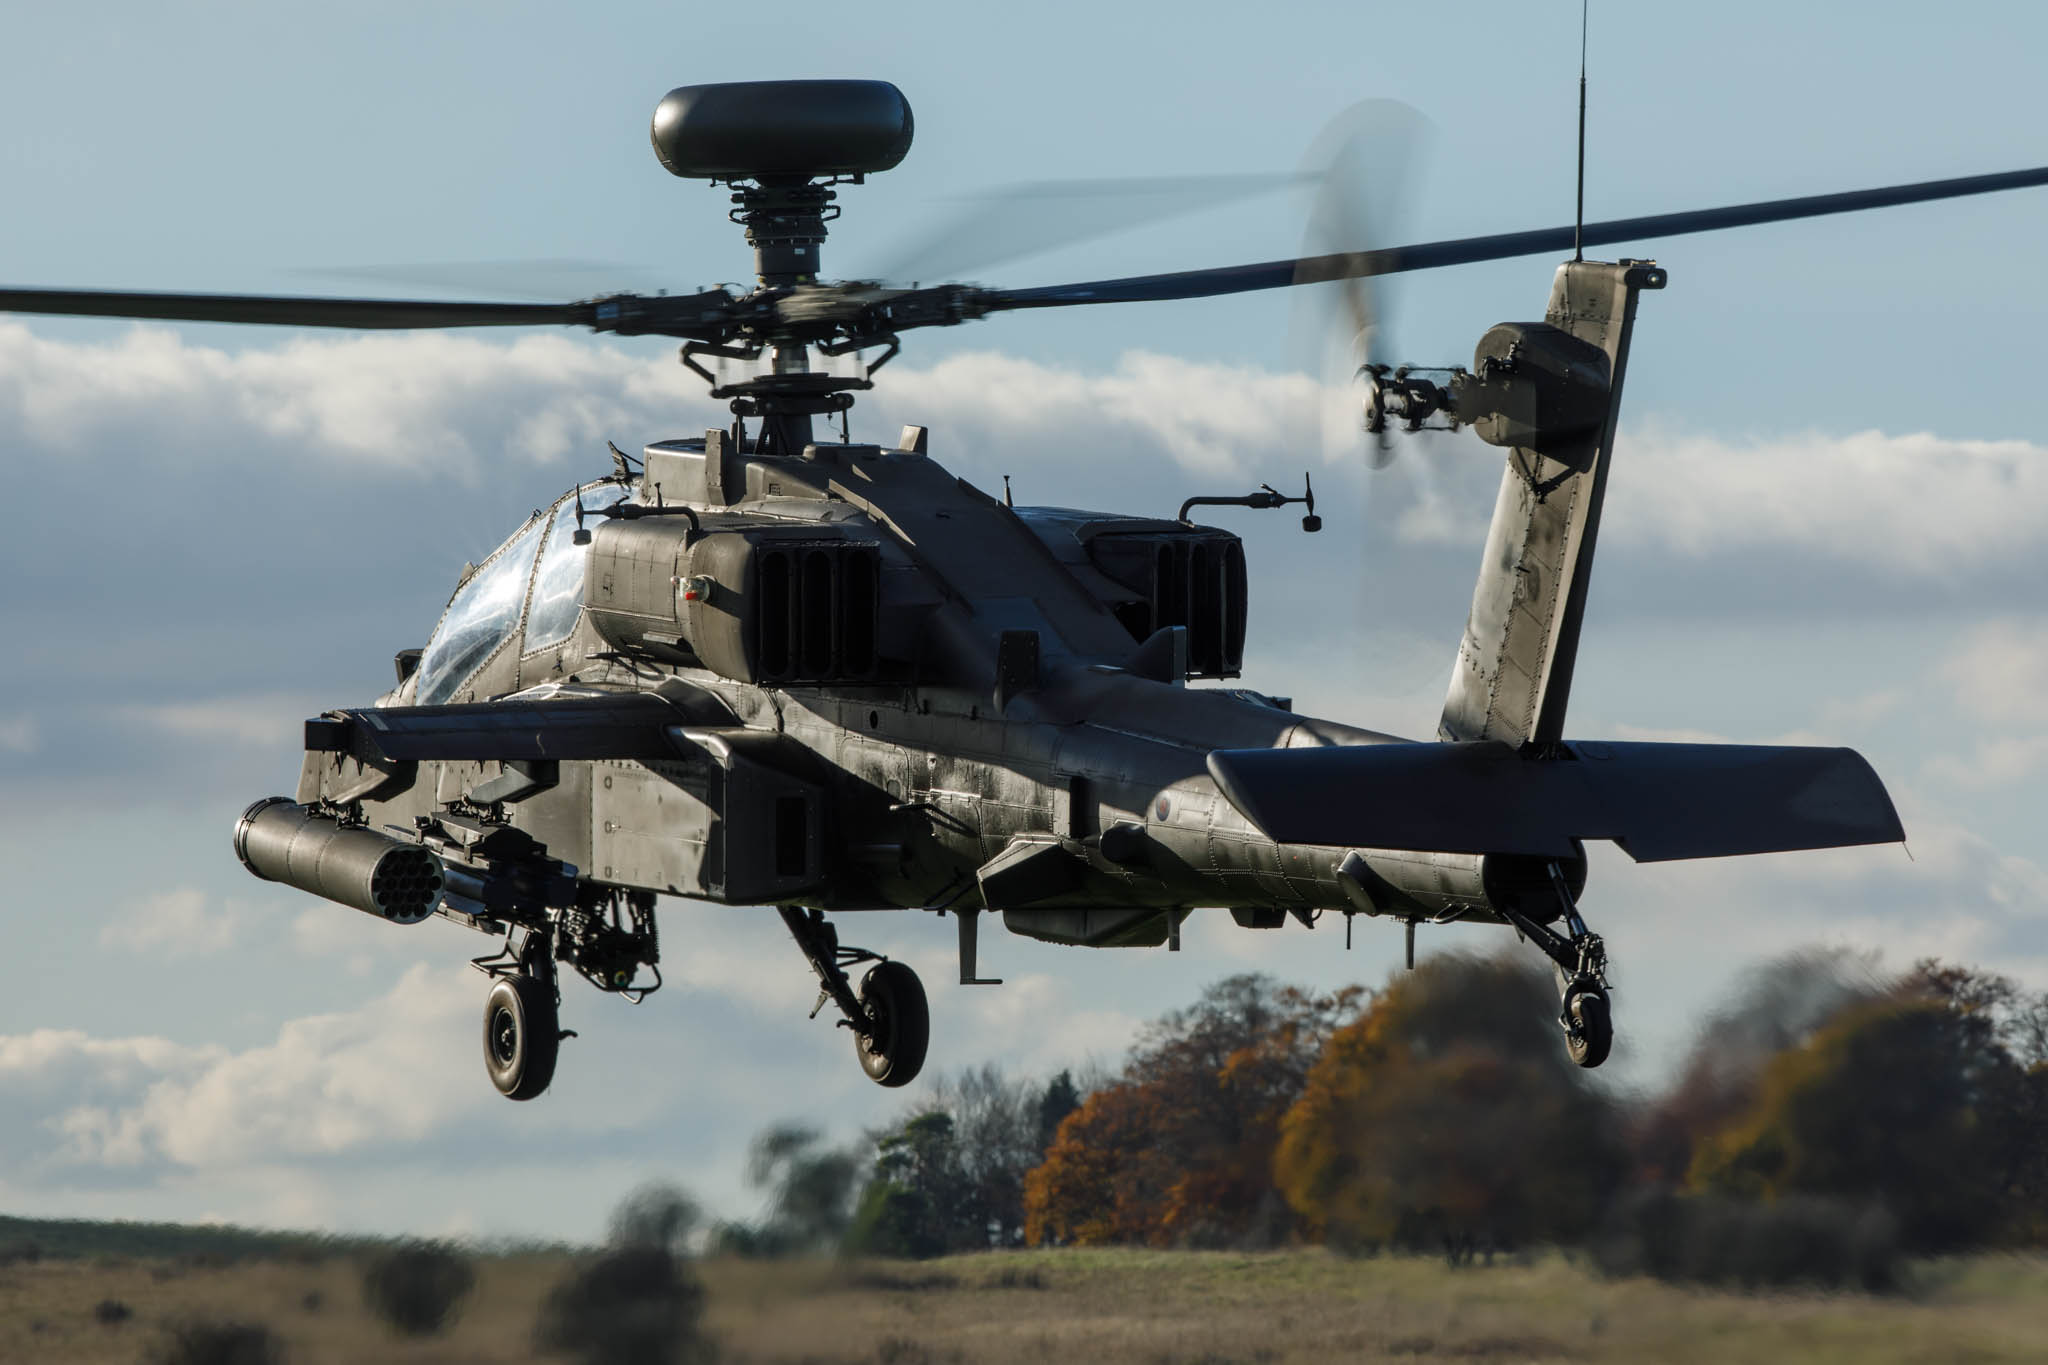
column 1557, row 389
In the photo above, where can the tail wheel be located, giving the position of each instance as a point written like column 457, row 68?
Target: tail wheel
column 522, row 1036
column 1589, row 1026
column 899, row 1025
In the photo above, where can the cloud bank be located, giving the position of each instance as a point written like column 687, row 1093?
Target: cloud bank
column 242, row 538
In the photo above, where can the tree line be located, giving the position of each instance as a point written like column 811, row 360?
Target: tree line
column 1827, row 1120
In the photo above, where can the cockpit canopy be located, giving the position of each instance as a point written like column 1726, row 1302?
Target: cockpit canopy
column 507, row 592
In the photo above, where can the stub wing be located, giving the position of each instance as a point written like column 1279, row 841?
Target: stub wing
column 525, row 727
column 1657, row 801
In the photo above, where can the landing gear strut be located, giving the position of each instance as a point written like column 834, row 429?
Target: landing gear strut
column 522, row 1021
column 1585, row 1012
column 890, row 1020
column 606, row 937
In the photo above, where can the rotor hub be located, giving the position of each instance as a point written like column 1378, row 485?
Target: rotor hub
column 785, row 225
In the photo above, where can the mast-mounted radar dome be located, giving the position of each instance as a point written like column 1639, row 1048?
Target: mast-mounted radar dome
column 753, row 130
column 781, row 147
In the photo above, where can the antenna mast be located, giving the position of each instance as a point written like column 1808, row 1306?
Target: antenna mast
column 1579, row 214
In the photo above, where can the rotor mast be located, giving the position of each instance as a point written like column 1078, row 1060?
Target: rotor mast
column 785, row 220
column 781, row 146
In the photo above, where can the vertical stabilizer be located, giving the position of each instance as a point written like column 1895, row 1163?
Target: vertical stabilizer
column 1554, row 391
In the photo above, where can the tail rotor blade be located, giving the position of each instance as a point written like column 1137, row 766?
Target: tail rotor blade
column 1365, row 165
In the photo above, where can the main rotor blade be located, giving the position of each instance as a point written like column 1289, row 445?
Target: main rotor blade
column 540, row 279
column 1240, row 279
column 288, row 311
column 997, row 226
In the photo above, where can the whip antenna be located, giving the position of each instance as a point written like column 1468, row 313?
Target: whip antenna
column 1579, row 214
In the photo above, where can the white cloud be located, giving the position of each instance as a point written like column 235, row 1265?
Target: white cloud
column 1913, row 505
column 338, row 936
column 405, row 401
column 17, row 734
column 264, row 719
column 327, row 1084
column 1998, row 762
column 1999, row 671
column 1849, row 715
column 1209, row 419
column 1996, row 674
column 1917, row 503
column 400, row 401
column 392, row 1083
column 1949, row 891
column 178, row 923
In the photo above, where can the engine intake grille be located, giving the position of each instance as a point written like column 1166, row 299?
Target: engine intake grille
column 819, row 608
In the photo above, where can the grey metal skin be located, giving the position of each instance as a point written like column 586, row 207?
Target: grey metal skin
column 925, row 782
column 1005, row 741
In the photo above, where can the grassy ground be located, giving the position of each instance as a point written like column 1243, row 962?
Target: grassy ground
column 1068, row 1307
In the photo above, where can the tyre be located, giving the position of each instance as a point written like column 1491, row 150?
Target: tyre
column 1592, row 1038
column 522, row 1036
column 899, row 1025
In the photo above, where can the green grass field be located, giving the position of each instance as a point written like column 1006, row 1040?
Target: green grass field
column 1067, row 1307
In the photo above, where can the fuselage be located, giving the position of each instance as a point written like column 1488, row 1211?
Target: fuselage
column 938, row 771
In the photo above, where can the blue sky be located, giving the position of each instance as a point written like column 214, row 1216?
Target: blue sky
column 1827, row 524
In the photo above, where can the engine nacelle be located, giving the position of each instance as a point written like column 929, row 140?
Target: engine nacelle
column 759, row 603
column 1152, row 574
column 282, row 841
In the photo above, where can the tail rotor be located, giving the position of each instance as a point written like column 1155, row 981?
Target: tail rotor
column 1364, row 165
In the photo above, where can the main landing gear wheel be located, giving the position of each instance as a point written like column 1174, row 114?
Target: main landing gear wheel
column 899, row 1025
column 1585, row 1011
column 891, row 1023
column 522, row 1035
column 1588, row 1024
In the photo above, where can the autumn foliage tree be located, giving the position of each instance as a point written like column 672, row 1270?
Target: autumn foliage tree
column 1447, row 1117
column 1779, row 1005
column 1179, row 1151
column 1830, row 1119
column 1923, row 1100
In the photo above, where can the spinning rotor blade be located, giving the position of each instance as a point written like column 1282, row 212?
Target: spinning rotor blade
column 1241, row 279
column 871, row 316
column 1364, row 163
column 285, row 310
column 556, row 278
column 708, row 315
column 998, row 226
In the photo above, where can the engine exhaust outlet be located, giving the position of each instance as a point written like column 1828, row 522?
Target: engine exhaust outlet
column 281, row 841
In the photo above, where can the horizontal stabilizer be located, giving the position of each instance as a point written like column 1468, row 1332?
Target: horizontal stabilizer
column 1658, row 801
column 630, row 725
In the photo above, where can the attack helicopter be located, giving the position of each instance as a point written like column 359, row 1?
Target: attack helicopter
column 757, row 667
